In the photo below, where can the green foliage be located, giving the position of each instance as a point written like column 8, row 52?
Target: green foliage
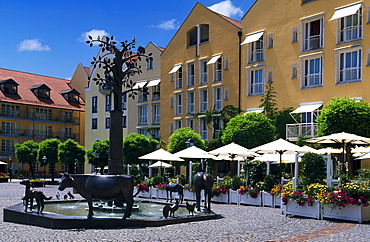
column 269, row 182
column 70, row 152
column 268, row 101
column 313, row 168
column 236, row 182
column 280, row 119
column 182, row 179
column 180, row 136
column 214, row 144
column 155, row 180
column 136, row 145
column 249, row 130
column 256, row 170
column 26, row 152
column 344, row 115
column 48, row 148
column 102, row 146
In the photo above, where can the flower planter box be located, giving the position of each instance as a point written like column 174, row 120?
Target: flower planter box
column 293, row 208
column 4, row 179
column 161, row 194
column 189, row 195
column 248, row 200
column 145, row 194
column 267, row 199
column 234, row 197
column 357, row 213
column 37, row 184
column 222, row 198
column 277, row 201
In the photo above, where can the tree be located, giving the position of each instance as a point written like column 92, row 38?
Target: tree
column 136, row 145
column 268, row 101
column 281, row 119
column 177, row 140
column 26, row 153
column 313, row 168
column 49, row 149
column 249, row 130
column 98, row 154
column 345, row 115
column 118, row 71
column 70, row 153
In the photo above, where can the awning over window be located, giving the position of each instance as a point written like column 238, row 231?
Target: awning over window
column 175, row 69
column 346, row 11
column 307, row 108
column 150, row 84
column 213, row 59
column 252, row 37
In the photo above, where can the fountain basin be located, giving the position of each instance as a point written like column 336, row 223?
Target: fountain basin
column 16, row 214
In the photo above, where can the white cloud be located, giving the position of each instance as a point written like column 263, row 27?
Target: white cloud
column 32, row 45
column 166, row 25
column 226, row 8
column 93, row 33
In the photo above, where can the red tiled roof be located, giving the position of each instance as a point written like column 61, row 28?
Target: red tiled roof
column 26, row 96
column 233, row 21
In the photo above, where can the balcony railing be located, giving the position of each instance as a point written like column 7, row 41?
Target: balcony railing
column 293, row 131
column 38, row 116
column 39, row 134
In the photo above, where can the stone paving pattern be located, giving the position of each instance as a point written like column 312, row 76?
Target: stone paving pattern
column 238, row 223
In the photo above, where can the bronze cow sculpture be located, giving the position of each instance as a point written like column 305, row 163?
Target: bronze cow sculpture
column 205, row 181
column 103, row 187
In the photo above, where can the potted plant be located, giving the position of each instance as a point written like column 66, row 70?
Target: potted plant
column 160, row 190
column 4, row 177
column 250, row 196
column 220, row 194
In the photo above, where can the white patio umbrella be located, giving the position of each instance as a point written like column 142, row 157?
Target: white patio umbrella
column 160, row 155
column 342, row 138
column 160, row 164
column 329, row 150
column 233, row 150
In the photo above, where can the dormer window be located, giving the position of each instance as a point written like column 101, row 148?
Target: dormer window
column 41, row 91
column 9, row 86
column 198, row 35
column 71, row 95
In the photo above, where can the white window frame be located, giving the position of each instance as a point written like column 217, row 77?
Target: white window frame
column 10, row 128
column 108, row 103
column 316, row 76
column 190, row 74
column 203, row 128
column 256, row 50
column 106, row 122
column 156, row 113
column 295, row 34
column 7, row 145
column 217, row 97
column 178, row 79
column 312, row 42
column 178, row 103
column 203, row 100
column 269, row 75
column 217, row 128
column 190, row 101
column 294, row 70
column 352, row 32
column 94, row 104
column 339, row 53
column 203, row 73
column 217, row 70
column 150, row 64
column 190, row 122
column 255, row 88
column 143, row 115
column 178, row 123
column 270, row 41
column 92, row 123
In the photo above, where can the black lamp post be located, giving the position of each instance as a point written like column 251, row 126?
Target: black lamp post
column 10, row 170
column 44, row 158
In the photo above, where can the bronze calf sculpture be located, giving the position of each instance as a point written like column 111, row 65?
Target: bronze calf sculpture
column 31, row 194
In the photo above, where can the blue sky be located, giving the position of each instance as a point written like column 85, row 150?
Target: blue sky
column 47, row 37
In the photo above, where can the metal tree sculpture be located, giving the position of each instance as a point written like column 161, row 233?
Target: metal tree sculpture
column 118, row 68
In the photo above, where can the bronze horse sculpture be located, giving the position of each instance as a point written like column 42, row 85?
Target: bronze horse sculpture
column 170, row 188
column 103, row 187
column 204, row 181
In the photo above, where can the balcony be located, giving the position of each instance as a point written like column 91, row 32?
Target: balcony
column 293, row 131
column 38, row 134
column 23, row 115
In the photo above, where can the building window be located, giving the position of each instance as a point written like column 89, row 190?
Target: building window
column 269, row 75
column 94, row 123
column 143, row 96
column 108, row 103
column 156, row 95
column 94, row 104
column 143, row 132
column 178, row 81
column 203, row 72
column 143, row 114
column 203, row 100
column 217, row 98
column 9, row 128
column 178, row 123
column 68, row 133
column 350, row 27
column 43, row 131
column 226, row 63
column 107, row 122
column 312, row 71
column 203, row 129
column 178, row 109
column 294, row 70
column 9, row 110
column 43, row 114
column 190, row 102
column 349, row 64
column 202, row 30
column 313, row 30
column 190, row 74
column 217, row 125
column 7, row 145
column 190, row 123
column 124, row 101
column 256, row 50
column 156, row 113
column 218, row 70
column 155, row 133
column 294, row 34
column 150, row 64
column 368, row 57
column 256, row 81
column 270, row 41
column 226, row 93
column 124, row 122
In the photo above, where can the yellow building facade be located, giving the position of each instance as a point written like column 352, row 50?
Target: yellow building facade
column 312, row 51
column 199, row 72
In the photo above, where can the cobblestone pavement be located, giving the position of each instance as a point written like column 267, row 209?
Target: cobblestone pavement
column 237, row 223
